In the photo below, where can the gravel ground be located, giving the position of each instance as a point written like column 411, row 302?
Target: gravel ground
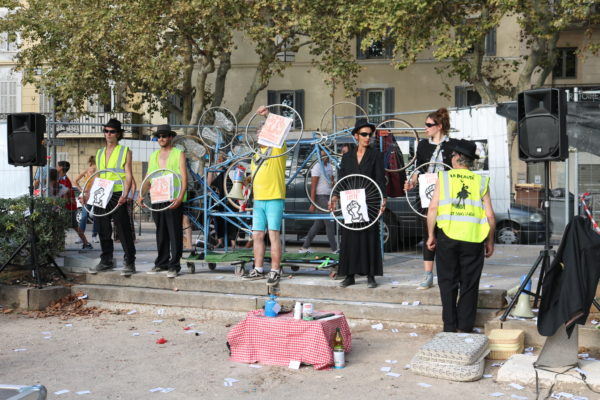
column 115, row 356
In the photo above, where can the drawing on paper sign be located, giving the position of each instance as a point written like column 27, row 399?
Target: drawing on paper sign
column 426, row 187
column 274, row 130
column 162, row 189
column 354, row 206
column 101, row 192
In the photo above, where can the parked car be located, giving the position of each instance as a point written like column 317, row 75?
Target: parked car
column 401, row 225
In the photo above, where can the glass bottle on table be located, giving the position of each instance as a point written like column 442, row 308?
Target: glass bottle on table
column 339, row 357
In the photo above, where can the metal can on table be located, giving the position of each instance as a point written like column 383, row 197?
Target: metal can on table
column 307, row 311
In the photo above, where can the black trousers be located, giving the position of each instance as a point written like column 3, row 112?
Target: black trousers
column 169, row 237
column 123, row 227
column 459, row 266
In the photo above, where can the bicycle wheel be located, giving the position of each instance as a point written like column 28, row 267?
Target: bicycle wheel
column 405, row 137
column 159, row 177
column 339, row 120
column 428, row 190
column 251, row 134
column 217, row 127
column 244, row 203
column 354, row 217
column 335, row 163
column 96, row 191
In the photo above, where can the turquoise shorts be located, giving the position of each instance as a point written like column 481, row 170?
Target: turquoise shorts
column 267, row 213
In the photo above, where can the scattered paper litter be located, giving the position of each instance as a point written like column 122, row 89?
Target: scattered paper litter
column 294, row 364
column 47, row 333
column 407, row 366
column 219, row 277
column 160, row 311
column 197, row 332
column 85, row 296
column 394, row 330
column 167, row 390
column 131, row 312
column 68, row 325
column 416, row 303
column 255, row 366
column 462, row 334
column 405, row 303
column 47, row 337
column 498, row 364
column 583, row 355
column 20, row 349
column 135, row 334
column 83, row 392
column 582, row 372
column 391, row 361
column 477, row 330
column 488, row 376
column 469, row 340
column 385, row 369
column 158, row 389
column 231, row 380
column 497, row 394
column 393, row 374
column 535, row 309
column 158, row 321
column 377, row 327
column 594, row 322
column 394, row 283
column 413, row 334
column 423, row 384
column 153, row 333
column 62, row 392
column 516, row 386
column 488, row 286
column 566, row 395
column 516, row 396
column 529, row 349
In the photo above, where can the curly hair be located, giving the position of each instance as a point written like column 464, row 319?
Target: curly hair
column 442, row 118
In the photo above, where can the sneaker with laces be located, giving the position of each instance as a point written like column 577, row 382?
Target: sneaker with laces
column 95, row 239
column 274, row 277
column 128, row 270
column 156, row 270
column 427, row 281
column 254, row 275
column 302, row 250
column 87, row 246
column 100, row 267
column 173, row 272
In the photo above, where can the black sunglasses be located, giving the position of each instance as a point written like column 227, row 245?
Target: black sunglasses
column 163, row 135
column 427, row 124
column 110, row 131
column 365, row 134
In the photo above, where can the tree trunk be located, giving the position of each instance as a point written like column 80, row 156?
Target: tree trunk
column 222, row 70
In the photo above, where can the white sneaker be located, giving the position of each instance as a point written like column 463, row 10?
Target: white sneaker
column 96, row 239
column 78, row 241
column 302, row 250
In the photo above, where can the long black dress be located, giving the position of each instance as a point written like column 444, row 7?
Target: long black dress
column 360, row 251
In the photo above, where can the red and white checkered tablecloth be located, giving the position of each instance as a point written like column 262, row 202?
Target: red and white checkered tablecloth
column 279, row 340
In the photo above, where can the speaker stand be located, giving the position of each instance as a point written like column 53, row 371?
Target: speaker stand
column 544, row 258
column 32, row 243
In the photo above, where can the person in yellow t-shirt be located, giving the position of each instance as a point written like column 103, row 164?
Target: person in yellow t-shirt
column 268, row 190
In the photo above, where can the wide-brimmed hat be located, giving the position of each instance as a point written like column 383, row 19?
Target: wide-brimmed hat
column 166, row 128
column 361, row 123
column 466, row 147
column 115, row 124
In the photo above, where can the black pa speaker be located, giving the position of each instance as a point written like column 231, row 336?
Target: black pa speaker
column 542, row 119
column 25, row 139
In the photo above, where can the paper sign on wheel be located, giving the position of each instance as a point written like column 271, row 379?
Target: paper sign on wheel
column 162, row 189
column 101, row 192
column 275, row 130
column 354, row 206
column 426, row 187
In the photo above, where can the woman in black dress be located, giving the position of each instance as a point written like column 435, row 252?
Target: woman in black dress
column 360, row 251
column 436, row 148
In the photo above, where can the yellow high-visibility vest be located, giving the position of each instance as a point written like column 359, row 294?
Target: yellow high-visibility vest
column 172, row 164
column 461, row 214
column 116, row 163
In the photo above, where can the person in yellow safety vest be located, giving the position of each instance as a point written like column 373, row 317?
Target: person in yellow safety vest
column 117, row 158
column 461, row 225
column 169, row 240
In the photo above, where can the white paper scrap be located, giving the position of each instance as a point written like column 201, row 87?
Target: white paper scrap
column 497, row 364
column 69, row 325
column 416, row 303
column 167, row 390
column 47, row 333
column 391, row 361
column 294, row 364
column 20, row 349
column 160, row 311
column 377, row 327
column 582, row 372
column 158, row 389
column 47, row 337
column 407, row 366
column 231, row 380
column 423, row 384
column 496, row 394
column 594, row 322
column 255, row 366
column 135, row 334
column 394, row 330
column 385, row 369
column 225, row 383
column 516, row 386
column 152, row 333
column 158, row 321
column 583, row 355
column 462, row 334
column 529, row 349
column 413, row 334
column 83, row 392
column 516, row 396
column 62, row 392
column 488, row 286
column 477, row 330
column 469, row 340
column 85, row 296
column 393, row 374
column 487, row 376
column 395, row 283
column 131, row 312
column 405, row 303
column 563, row 394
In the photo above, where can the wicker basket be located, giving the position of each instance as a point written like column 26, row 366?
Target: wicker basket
column 505, row 342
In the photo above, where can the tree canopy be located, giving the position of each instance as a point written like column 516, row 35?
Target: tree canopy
column 152, row 49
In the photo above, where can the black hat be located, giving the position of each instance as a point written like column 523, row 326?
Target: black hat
column 164, row 129
column 114, row 123
column 466, row 147
column 361, row 123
